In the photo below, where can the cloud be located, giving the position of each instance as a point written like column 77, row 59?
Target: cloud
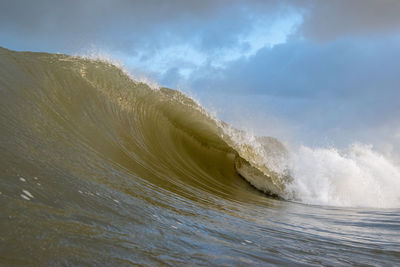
column 327, row 20
column 123, row 24
column 128, row 25
column 303, row 68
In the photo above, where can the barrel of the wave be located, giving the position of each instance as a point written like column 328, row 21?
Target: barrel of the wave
column 264, row 165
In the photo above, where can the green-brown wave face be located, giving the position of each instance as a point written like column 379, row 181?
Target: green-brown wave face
column 99, row 169
column 81, row 137
column 88, row 118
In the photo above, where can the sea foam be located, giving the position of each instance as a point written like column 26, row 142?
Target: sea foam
column 357, row 177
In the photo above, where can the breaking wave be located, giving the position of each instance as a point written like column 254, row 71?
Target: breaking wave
column 89, row 118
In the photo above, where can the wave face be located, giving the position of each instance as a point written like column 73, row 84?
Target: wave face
column 98, row 168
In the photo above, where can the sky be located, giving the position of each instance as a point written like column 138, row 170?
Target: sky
column 323, row 72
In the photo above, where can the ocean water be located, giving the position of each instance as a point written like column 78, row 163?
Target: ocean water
column 100, row 169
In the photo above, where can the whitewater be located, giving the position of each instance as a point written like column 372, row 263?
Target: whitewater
column 101, row 168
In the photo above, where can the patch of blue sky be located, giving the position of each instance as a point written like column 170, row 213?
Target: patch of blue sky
column 263, row 33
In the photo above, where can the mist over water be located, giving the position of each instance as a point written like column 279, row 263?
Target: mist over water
column 99, row 168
